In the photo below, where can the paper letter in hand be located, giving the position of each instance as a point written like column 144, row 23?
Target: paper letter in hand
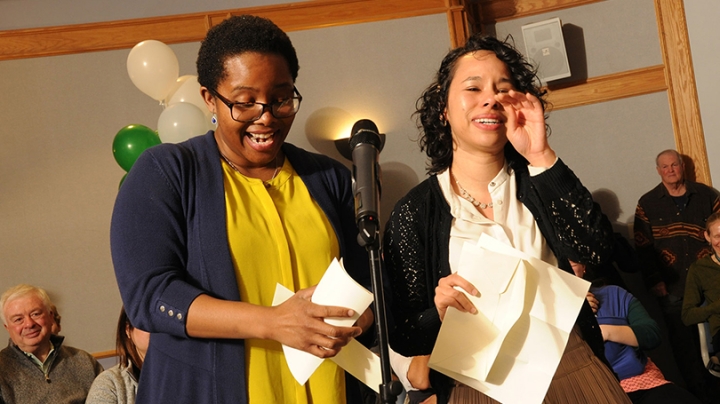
column 526, row 311
column 336, row 288
column 468, row 343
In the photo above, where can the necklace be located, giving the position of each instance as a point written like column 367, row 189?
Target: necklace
column 266, row 183
column 466, row 195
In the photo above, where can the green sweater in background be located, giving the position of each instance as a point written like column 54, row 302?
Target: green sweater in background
column 703, row 285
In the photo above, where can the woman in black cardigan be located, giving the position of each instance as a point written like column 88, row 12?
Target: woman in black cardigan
column 492, row 171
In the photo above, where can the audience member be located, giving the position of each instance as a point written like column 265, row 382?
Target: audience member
column 118, row 385
column 56, row 328
column 702, row 289
column 36, row 367
column 204, row 230
column 669, row 226
column 483, row 126
column 628, row 330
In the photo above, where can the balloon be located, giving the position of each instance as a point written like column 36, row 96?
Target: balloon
column 187, row 89
column 122, row 180
column 130, row 142
column 153, row 68
column 181, row 121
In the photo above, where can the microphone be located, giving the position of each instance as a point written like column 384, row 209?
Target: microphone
column 366, row 144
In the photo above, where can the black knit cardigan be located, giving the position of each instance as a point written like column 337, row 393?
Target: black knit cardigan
column 416, row 251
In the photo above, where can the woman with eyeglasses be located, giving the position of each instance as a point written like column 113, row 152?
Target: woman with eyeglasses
column 202, row 231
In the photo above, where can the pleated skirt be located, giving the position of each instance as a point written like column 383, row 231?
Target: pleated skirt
column 581, row 378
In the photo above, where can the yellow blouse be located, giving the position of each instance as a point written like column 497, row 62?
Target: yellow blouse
column 279, row 234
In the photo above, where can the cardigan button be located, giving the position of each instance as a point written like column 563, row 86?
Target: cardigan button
column 162, row 309
column 170, row 313
column 179, row 316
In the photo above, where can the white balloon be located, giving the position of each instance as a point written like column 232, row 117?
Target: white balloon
column 187, row 89
column 153, row 68
column 181, row 121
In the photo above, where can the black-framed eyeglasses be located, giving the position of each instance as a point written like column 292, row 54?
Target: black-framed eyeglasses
column 252, row 111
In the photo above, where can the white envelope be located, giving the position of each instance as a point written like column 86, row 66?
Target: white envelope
column 470, row 343
column 360, row 362
column 523, row 367
column 336, row 288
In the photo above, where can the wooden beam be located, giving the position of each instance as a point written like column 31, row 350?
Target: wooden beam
column 458, row 23
column 63, row 40
column 104, row 354
column 682, row 90
column 500, row 10
column 607, row 88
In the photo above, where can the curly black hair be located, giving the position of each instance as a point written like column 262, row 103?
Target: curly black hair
column 435, row 134
column 237, row 35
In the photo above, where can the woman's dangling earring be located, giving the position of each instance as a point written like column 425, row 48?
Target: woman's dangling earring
column 214, row 119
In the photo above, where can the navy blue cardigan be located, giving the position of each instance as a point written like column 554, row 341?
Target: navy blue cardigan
column 169, row 244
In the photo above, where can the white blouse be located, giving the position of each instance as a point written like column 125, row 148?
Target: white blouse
column 513, row 223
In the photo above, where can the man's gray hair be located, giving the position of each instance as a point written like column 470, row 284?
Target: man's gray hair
column 19, row 291
column 669, row 151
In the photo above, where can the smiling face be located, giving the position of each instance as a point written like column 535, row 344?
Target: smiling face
column 252, row 77
column 476, row 118
column 29, row 323
column 712, row 235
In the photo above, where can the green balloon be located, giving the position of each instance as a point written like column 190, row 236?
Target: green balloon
column 122, row 180
column 130, row 142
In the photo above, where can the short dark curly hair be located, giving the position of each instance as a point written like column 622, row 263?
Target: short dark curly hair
column 237, row 35
column 435, row 134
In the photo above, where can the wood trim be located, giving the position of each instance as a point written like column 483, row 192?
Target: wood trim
column 500, row 10
column 611, row 87
column 63, row 40
column 682, row 90
column 104, row 354
column 458, row 23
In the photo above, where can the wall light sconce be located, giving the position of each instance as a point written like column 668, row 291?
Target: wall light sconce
column 343, row 145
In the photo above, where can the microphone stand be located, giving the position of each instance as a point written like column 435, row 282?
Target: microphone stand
column 368, row 237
